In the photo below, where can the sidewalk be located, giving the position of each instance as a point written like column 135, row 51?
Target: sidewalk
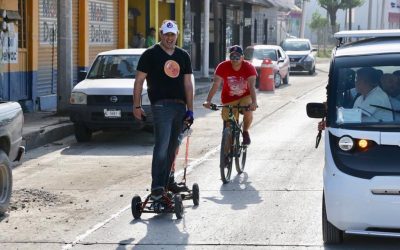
column 41, row 128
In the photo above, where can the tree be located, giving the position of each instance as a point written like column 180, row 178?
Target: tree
column 332, row 6
column 350, row 4
column 318, row 25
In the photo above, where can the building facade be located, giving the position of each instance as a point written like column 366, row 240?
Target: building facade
column 28, row 69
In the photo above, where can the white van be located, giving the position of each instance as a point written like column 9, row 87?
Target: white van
column 361, row 193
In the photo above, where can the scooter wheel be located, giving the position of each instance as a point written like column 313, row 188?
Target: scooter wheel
column 178, row 206
column 136, row 206
column 195, row 194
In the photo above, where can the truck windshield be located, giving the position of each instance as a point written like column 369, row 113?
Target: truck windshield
column 114, row 66
column 365, row 91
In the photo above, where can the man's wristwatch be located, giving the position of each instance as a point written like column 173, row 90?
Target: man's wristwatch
column 138, row 107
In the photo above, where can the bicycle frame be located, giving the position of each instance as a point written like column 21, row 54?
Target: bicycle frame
column 231, row 147
column 234, row 125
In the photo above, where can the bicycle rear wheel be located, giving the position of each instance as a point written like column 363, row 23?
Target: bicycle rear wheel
column 226, row 155
column 240, row 152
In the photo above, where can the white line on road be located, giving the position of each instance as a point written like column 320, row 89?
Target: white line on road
column 101, row 224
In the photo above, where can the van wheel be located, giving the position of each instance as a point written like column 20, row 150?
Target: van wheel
column 330, row 233
column 82, row 133
column 5, row 182
column 312, row 71
column 277, row 80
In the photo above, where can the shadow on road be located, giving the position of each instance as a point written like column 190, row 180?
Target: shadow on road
column 162, row 230
column 114, row 143
column 239, row 193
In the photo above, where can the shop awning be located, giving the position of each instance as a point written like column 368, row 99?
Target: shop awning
column 283, row 5
column 264, row 3
column 10, row 15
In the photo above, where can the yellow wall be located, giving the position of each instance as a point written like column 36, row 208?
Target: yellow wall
column 83, row 55
column 32, row 35
column 9, row 4
column 123, row 25
column 163, row 12
column 158, row 12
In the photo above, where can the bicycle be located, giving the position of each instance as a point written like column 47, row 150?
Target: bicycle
column 231, row 143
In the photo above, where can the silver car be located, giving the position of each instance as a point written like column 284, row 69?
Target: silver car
column 300, row 52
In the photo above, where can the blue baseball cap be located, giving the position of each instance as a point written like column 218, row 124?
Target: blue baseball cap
column 236, row 49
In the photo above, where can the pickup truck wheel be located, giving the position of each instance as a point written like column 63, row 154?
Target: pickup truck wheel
column 82, row 133
column 5, row 182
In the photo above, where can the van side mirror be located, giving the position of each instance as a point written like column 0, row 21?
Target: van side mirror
column 281, row 60
column 316, row 110
column 314, row 49
column 82, row 75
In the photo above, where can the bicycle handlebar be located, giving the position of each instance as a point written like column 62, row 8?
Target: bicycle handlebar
column 215, row 107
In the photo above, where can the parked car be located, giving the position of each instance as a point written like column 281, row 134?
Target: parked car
column 300, row 52
column 104, row 99
column 11, row 123
column 255, row 54
column 361, row 175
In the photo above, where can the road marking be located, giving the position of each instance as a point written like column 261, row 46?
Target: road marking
column 101, row 224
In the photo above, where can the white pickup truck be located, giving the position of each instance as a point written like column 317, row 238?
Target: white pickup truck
column 11, row 123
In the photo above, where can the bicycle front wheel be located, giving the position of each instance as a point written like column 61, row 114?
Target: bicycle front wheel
column 226, row 155
column 240, row 153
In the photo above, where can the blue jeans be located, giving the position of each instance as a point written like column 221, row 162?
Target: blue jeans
column 168, row 121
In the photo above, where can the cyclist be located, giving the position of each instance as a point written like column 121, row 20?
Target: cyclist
column 167, row 69
column 238, row 77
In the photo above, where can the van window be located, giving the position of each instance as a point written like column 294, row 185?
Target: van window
column 366, row 90
column 114, row 66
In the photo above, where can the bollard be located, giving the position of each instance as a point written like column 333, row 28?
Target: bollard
column 267, row 82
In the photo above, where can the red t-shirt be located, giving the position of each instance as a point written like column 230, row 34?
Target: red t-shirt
column 235, row 82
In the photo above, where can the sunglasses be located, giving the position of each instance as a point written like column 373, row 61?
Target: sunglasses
column 235, row 57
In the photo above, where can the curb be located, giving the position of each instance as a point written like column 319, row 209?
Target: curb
column 65, row 128
column 48, row 135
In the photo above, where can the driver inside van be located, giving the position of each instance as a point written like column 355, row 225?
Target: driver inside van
column 373, row 102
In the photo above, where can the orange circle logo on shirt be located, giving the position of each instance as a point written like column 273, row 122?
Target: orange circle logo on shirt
column 171, row 68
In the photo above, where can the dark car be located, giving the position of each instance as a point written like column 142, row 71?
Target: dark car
column 300, row 52
column 255, row 54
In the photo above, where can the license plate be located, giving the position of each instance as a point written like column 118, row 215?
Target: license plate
column 293, row 65
column 113, row 113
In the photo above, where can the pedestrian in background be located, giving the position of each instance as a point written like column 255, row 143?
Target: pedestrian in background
column 151, row 37
column 138, row 40
column 167, row 70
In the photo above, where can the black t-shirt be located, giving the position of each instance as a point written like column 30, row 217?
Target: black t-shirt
column 165, row 73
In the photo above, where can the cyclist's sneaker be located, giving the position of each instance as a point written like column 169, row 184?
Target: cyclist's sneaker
column 176, row 188
column 157, row 193
column 246, row 138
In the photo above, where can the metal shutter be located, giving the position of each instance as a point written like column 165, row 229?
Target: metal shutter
column 103, row 26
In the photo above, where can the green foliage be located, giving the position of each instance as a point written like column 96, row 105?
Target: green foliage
column 332, row 6
column 318, row 22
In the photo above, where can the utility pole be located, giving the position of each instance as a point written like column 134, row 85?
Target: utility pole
column 383, row 14
column 303, row 19
column 64, row 55
column 369, row 14
column 217, row 39
column 206, row 40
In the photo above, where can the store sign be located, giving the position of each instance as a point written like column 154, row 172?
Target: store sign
column 101, row 22
column 48, row 22
column 394, row 6
column 9, row 47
